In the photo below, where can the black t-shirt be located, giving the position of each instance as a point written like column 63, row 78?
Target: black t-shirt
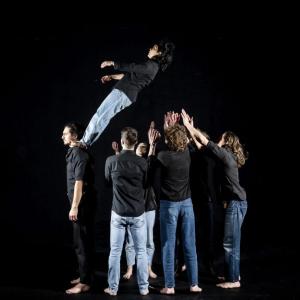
column 173, row 170
column 230, row 186
column 204, row 175
column 79, row 167
column 136, row 77
column 127, row 172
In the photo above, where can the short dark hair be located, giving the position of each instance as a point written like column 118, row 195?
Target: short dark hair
column 75, row 129
column 129, row 136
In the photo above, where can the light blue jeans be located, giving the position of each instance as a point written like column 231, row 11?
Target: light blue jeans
column 129, row 247
column 118, row 225
column 234, row 217
column 170, row 211
column 112, row 104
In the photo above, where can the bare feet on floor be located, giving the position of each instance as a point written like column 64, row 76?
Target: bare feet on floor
column 151, row 273
column 78, row 288
column 75, row 281
column 229, row 285
column 195, row 289
column 110, row 292
column 222, row 278
column 167, row 291
column 128, row 274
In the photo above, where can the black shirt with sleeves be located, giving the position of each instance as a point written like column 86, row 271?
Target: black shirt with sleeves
column 127, row 172
column 172, row 172
column 79, row 167
column 230, row 186
column 136, row 77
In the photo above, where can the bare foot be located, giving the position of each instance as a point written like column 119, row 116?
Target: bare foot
column 78, row 288
column 167, row 291
column 222, row 278
column 75, row 281
column 229, row 285
column 151, row 273
column 128, row 274
column 195, row 289
column 109, row 291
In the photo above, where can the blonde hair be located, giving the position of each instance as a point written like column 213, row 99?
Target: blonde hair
column 176, row 137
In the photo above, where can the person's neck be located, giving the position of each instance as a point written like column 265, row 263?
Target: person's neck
column 128, row 148
column 73, row 144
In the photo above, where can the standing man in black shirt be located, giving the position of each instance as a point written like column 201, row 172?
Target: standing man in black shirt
column 231, row 154
column 127, row 173
column 172, row 172
column 82, row 199
column 132, row 80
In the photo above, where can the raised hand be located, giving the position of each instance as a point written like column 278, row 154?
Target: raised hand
column 106, row 78
column 152, row 124
column 153, row 136
column 106, row 63
column 171, row 118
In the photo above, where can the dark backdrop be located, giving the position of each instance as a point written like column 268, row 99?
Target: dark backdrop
column 225, row 76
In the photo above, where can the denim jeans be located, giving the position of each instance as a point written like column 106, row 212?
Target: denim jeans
column 169, row 213
column 112, row 104
column 234, row 217
column 118, row 225
column 129, row 248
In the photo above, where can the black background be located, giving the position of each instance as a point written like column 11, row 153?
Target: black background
column 226, row 73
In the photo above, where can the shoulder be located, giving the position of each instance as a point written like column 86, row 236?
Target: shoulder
column 111, row 158
column 152, row 64
column 164, row 155
column 80, row 154
column 142, row 161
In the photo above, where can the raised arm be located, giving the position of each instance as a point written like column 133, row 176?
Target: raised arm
column 196, row 134
column 153, row 136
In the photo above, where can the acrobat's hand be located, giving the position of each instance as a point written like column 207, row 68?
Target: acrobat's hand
column 106, row 63
column 106, row 78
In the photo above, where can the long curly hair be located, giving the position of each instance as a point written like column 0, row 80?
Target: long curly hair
column 232, row 143
column 176, row 137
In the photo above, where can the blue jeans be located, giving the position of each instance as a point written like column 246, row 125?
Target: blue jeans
column 169, row 213
column 118, row 225
column 234, row 217
column 129, row 248
column 112, row 104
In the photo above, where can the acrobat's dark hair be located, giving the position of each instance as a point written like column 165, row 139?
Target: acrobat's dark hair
column 166, row 47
